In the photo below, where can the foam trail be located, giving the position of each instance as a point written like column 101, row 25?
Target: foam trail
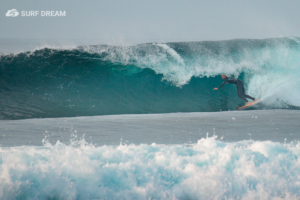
column 209, row 169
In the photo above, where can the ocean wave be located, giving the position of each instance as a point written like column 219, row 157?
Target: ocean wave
column 209, row 169
column 148, row 78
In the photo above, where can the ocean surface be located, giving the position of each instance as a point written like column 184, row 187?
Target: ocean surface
column 93, row 121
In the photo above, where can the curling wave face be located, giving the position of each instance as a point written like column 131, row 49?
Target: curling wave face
column 209, row 169
column 148, row 78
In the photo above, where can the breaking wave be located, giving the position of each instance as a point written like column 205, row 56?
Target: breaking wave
column 148, row 78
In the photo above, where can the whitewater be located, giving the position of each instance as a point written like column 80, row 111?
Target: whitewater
column 143, row 121
column 208, row 169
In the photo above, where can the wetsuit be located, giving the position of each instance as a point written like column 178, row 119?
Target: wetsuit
column 239, row 87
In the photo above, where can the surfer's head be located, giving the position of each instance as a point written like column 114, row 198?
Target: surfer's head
column 224, row 76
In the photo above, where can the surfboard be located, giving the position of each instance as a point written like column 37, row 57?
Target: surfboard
column 247, row 106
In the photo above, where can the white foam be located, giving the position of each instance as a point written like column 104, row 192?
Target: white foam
column 209, row 169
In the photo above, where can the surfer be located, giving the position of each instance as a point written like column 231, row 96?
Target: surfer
column 239, row 86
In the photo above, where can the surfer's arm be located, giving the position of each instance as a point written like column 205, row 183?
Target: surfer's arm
column 225, row 82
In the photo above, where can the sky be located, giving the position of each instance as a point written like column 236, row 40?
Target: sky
column 139, row 21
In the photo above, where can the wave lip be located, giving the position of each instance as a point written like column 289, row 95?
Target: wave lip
column 207, row 169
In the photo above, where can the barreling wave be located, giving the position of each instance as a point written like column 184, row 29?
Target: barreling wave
column 148, row 78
